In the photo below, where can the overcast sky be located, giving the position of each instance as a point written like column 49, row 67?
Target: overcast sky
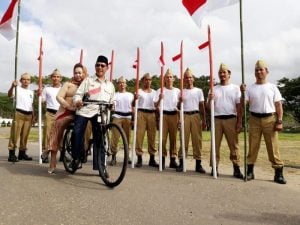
column 271, row 32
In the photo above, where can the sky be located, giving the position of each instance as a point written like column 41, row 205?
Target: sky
column 271, row 31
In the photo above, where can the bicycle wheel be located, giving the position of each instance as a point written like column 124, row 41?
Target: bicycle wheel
column 67, row 150
column 112, row 174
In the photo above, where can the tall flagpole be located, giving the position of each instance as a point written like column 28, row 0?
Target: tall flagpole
column 181, row 109
column 15, row 76
column 136, row 106
column 212, row 110
column 81, row 56
column 40, row 99
column 161, row 104
column 243, row 92
column 111, row 65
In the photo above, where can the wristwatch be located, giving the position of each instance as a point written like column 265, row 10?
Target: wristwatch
column 279, row 121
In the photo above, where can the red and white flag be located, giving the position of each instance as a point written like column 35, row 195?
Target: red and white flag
column 199, row 8
column 8, row 21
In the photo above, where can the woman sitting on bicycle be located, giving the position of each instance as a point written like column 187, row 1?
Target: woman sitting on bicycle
column 65, row 113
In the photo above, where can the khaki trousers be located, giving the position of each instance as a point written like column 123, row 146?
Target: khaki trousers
column 87, row 135
column 22, row 127
column 169, row 127
column 227, row 127
column 259, row 127
column 125, row 123
column 192, row 127
column 48, row 122
column 145, row 122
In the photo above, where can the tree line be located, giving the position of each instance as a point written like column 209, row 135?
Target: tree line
column 289, row 89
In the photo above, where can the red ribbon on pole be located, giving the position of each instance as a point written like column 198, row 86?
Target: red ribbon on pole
column 210, row 63
column 111, row 65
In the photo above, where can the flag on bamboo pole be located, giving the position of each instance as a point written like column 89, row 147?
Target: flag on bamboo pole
column 198, row 9
column 40, row 58
column 81, row 56
column 8, row 21
column 111, row 63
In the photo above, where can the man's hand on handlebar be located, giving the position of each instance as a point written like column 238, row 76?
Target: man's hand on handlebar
column 78, row 104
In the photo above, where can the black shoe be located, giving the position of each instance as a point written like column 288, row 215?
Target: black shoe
column 152, row 162
column 12, row 157
column 199, row 168
column 75, row 164
column 113, row 161
column 173, row 163
column 250, row 173
column 278, row 178
column 139, row 162
column 180, row 167
column 163, row 163
column 24, row 156
column 212, row 172
column 44, row 159
column 237, row 172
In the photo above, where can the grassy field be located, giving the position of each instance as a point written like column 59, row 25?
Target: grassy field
column 289, row 148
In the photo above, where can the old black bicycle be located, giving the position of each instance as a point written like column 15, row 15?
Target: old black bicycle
column 111, row 157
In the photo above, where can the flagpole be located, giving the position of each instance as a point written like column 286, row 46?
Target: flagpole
column 161, row 105
column 181, row 109
column 136, row 106
column 111, row 65
column 243, row 92
column 81, row 57
column 15, row 77
column 40, row 99
column 212, row 110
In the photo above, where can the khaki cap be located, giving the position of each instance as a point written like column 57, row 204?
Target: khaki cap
column 260, row 64
column 25, row 76
column 146, row 76
column 122, row 79
column 224, row 67
column 169, row 71
column 56, row 71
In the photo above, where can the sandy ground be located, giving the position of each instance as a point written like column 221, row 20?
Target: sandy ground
column 146, row 196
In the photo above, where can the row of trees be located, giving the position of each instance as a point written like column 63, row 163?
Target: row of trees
column 288, row 87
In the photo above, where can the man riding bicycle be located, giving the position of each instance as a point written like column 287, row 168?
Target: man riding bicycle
column 96, row 87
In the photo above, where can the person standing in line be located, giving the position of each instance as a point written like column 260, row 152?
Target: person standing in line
column 146, row 121
column 65, row 114
column 194, row 120
column 228, row 119
column 24, row 116
column 170, row 117
column 97, row 88
column 265, row 119
column 49, row 97
column 122, row 115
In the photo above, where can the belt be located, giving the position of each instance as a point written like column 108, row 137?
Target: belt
column 53, row 111
column 147, row 110
column 123, row 113
column 24, row 112
column 191, row 112
column 225, row 117
column 261, row 115
column 169, row 112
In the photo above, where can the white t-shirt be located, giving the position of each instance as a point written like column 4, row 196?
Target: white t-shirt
column 170, row 99
column 192, row 98
column 146, row 99
column 24, row 99
column 49, row 96
column 262, row 97
column 225, row 99
column 123, row 103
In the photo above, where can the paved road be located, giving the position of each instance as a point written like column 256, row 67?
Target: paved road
column 30, row 196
